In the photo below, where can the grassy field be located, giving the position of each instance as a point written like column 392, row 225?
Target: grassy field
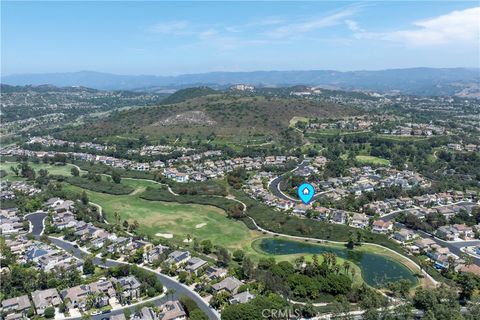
column 373, row 160
column 156, row 217
column 52, row 169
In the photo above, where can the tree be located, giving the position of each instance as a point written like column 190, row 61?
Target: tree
column 125, row 224
column 84, row 198
column 14, row 170
column 223, row 256
column 75, row 172
column 49, row 312
column 88, row 266
column 197, row 314
column 351, row 241
column 352, row 272
column 134, row 226
column 170, row 293
column 219, row 300
column 238, row 255
column 116, row 177
column 247, row 267
column 207, row 246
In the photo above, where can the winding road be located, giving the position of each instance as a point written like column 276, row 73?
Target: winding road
column 36, row 220
column 274, row 184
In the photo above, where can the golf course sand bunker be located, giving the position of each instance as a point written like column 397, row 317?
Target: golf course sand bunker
column 165, row 235
column 201, row 225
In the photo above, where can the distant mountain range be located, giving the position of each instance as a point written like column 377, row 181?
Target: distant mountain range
column 417, row 81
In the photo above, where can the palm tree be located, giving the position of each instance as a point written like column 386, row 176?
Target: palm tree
column 336, row 269
column 170, row 293
column 117, row 219
column 326, row 258
column 299, row 262
column 346, row 266
column 315, row 261
column 468, row 259
column 352, row 271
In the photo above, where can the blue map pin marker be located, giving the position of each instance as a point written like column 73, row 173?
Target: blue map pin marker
column 305, row 192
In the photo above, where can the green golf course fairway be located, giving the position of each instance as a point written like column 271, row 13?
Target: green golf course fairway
column 156, row 218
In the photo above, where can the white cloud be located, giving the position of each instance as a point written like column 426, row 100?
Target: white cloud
column 353, row 26
column 171, row 28
column 330, row 20
column 454, row 27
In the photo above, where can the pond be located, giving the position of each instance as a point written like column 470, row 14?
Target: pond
column 377, row 270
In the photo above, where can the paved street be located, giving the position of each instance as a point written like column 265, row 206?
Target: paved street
column 275, row 184
column 37, row 221
column 454, row 247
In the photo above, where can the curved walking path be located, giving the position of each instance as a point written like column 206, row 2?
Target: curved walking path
column 128, row 178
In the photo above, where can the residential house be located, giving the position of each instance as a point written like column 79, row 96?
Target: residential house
column 130, row 289
column 465, row 232
column 403, row 235
column 447, row 233
column 178, row 257
column 214, row 273
column 382, row 226
column 120, row 316
column 242, row 297
column 230, row 284
column 359, row 220
column 339, row 216
column 149, row 256
column 146, row 313
column 45, row 298
column 172, row 310
column 472, row 268
column 17, row 305
column 195, row 264
column 76, row 297
column 105, row 291
column 424, row 244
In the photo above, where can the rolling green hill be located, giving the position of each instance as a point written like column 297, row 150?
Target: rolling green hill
column 221, row 115
column 187, row 94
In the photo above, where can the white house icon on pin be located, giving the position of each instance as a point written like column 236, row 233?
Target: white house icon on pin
column 305, row 191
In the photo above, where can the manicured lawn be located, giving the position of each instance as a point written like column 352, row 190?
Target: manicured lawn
column 52, row 169
column 373, row 160
column 156, row 217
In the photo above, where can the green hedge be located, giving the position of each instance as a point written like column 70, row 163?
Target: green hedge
column 162, row 194
column 97, row 186
column 99, row 168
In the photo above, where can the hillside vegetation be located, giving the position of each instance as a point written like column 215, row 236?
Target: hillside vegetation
column 221, row 115
column 187, row 94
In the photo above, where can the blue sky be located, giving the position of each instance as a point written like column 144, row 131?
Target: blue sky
column 166, row 38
